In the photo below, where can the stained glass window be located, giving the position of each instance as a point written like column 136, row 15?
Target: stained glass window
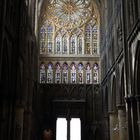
column 80, row 73
column 88, row 74
column 95, row 39
column 95, row 73
column 80, row 44
column 70, row 13
column 73, row 73
column 50, row 39
column 50, row 73
column 65, row 73
column 69, row 27
column 76, row 23
column 42, row 39
column 88, row 39
column 58, row 44
column 65, row 44
column 73, row 44
column 58, row 73
column 42, row 73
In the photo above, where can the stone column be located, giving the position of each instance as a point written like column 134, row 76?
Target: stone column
column 138, row 110
column 19, row 123
column 114, row 128
column 122, row 123
column 134, row 117
column 68, row 128
column 129, row 119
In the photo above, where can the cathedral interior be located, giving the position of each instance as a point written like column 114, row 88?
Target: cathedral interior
column 76, row 61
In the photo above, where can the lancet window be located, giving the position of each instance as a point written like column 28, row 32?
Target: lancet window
column 50, row 39
column 73, row 73
column 88, row 74
column 80, row 73
column 65, row 44
column 42, row 73
column 65, row 73
column 58, row 73
column 73, row 44
column 80, row 44
column 42, row 39
column 95, row 73
column 58, row 44
column 50, row 73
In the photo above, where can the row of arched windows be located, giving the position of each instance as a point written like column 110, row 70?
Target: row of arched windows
column 80, row 41
column 69, row 74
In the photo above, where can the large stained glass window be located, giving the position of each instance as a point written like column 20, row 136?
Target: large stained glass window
column 69, row 35
column 50, row 73
column 42, row 73
column 73, row 73
column 69, row 27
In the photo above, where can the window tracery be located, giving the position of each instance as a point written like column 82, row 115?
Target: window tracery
column 69, row 28
column 75, row 24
